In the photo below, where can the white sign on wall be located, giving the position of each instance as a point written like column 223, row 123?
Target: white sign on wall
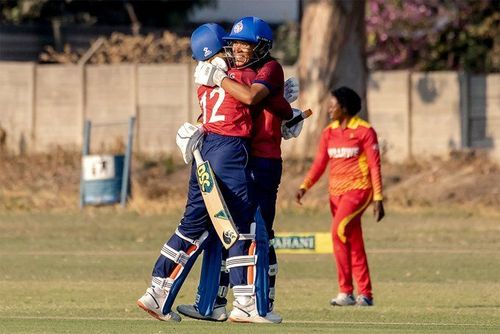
column 98, row 167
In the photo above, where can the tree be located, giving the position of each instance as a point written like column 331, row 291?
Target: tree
column 434, row 35
column 332, row 54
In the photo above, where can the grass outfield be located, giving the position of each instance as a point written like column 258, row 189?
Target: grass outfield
column 82, row 273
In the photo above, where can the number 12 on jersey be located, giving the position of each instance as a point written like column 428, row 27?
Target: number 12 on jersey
column 221, row 94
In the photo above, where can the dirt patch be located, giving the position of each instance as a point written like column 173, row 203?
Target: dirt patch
column 51, row 183
column 465, row 179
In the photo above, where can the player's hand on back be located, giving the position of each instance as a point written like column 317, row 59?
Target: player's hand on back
column 220, row 63
column 291, row 90
column 208, row 74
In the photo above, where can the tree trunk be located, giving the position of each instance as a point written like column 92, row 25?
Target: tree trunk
column 332, row 54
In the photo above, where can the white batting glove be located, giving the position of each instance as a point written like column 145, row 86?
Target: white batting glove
column 291, row 92
column 295, row 130
column 189, row 137
column 197, row 69
column 220, row 74
column 220, row 63
column 209, row 75
column 203, row 74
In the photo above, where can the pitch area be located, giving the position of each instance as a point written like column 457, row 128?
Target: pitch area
column 433, row 272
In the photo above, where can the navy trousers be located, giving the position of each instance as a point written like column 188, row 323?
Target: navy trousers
column 266, row 177
column 228, row 157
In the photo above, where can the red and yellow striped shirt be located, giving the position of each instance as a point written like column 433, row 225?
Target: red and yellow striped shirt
column 354, row 158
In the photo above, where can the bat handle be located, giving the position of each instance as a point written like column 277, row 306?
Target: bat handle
column 197, row 157
column 297, row 119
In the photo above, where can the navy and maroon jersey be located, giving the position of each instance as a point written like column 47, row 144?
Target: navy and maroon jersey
column 266, row 137
column 222, row 113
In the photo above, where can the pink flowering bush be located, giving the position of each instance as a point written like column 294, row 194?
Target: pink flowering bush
column 433, row 35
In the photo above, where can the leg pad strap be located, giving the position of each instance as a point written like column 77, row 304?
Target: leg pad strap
column 241, row 261
column 179, row 257
column 162, row 283
column 244, row 290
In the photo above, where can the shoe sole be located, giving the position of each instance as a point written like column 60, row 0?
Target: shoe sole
column 154, row 314
column 364, row 302
column 198, row 316
column 341, row 305
column 151, row 313
column 247, row 321
column 337, row 304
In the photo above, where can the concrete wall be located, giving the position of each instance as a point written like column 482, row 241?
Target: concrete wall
column 164, row 103
column 58, row 102
column 388, row 95
column 110, row 99
column 431, row 114
column 415, row 114
column 17, row 104
column 492, row 112
column 435, row 113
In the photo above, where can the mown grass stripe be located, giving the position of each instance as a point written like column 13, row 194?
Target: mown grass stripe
column 141, row 253
column 318, row 322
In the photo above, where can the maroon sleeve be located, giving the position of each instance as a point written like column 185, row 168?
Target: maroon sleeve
column 277, row 105
column 272, row 76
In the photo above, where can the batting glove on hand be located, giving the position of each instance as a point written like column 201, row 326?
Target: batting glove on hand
column 220, row 74
column 203, row 74
column 220, row 63
column 294, row 131
column 197, row 70
column 189, row 137
column 208, row 74
column 291, row 91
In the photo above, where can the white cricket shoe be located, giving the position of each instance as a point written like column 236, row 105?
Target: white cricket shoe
column 153, row 302
column 218, row 314
column 249, row 313
column 343, row 299
column 363, row 300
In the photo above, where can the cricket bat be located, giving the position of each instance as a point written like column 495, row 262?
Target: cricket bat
column 298, row 118
column 216, row 206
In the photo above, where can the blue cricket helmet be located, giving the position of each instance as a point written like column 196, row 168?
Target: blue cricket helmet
column 253, row 30
column 207, row 40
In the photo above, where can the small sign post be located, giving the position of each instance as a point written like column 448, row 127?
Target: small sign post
column 105, row 178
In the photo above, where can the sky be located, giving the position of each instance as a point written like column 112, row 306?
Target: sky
column 272, row 11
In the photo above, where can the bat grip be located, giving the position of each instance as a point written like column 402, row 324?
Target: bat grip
column 303, row 115
column 197, row 157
